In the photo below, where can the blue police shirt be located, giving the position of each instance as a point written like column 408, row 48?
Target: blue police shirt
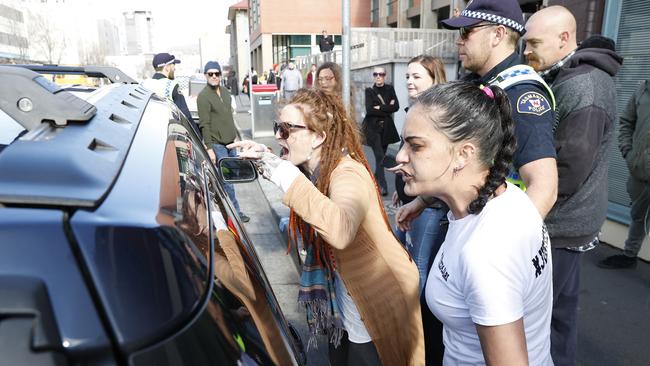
column 532, row 111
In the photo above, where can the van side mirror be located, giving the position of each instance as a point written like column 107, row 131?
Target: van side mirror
column 236, row 170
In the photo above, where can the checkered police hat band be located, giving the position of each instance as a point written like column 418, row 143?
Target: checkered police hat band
column 493, row 19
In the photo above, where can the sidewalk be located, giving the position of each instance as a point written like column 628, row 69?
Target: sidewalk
column 614, row 309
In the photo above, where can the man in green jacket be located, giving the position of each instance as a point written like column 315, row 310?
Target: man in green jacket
column 217, row 124
column 634, row 144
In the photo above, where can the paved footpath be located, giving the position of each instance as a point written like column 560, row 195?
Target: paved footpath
column 614, row 309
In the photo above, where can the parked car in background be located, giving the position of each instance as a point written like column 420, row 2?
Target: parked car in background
column 195, row 84
column 118, row 242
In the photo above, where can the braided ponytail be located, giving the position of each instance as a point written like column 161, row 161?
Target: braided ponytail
column 503, row 158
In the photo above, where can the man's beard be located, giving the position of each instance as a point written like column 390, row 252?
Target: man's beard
column 534, row 63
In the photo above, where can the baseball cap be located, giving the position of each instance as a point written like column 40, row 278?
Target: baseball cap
column 211, row 65
column 504, row 12
column 162, row 59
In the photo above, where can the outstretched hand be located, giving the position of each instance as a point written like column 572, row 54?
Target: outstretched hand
column 407, row 213
column 270, row 166
column 249, row 149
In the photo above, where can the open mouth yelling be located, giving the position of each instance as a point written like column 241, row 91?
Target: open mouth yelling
column 284, row 151
column 398, row 169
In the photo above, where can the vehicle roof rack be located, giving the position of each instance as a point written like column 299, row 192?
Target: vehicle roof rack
column 31, row 100
column 113, row 74
column 73, row 166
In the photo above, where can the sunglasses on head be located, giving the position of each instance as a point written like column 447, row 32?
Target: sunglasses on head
column 284, row 128
column 466, row 31
column 211, row 74
column 375, row 74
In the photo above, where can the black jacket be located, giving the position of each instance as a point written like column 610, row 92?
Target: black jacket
column 326, row 44
column 378, row 123
column 233, row 85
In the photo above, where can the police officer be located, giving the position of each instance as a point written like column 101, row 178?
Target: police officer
column 163, row 84
column 489, row 32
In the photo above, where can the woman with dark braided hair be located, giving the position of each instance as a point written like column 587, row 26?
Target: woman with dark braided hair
column 358, row 283
column 491, row 281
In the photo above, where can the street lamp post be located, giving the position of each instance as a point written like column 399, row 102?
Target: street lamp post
column 346, row 52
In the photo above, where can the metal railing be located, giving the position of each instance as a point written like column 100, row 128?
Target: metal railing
column 371, row 46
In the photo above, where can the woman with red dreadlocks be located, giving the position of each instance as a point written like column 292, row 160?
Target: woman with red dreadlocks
column 358, row 283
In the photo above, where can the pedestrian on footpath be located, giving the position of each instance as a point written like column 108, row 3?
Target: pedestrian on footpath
column 217, row 124
column 291, row 81
column 494, row 303
column 163, row 84
column 326, row 43
column 585, row 93
column 633, row 141
column 311, row 77
column 329, row 78
column 358, row 283
column 378, row 126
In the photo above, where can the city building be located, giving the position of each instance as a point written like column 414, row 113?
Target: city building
column 14, row 43
column 238, row 30
column 424, row 14
column 281, row 30
column 108, row 35
column 427, row 14
column 138, row 32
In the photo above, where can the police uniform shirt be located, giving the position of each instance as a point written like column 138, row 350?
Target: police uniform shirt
column 532, row 112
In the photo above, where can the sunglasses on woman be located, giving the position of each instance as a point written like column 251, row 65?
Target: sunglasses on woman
column 284, row 128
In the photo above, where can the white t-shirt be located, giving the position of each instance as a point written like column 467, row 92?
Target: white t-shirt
column 494, row 268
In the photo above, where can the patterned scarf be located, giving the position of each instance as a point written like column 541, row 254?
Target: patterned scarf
column 317, row 292
column 549, row 74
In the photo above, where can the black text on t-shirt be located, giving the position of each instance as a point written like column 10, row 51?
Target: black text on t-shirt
column 442, row 268
column 540, row 260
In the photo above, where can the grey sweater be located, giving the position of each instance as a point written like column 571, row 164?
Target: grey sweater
column 586, row 98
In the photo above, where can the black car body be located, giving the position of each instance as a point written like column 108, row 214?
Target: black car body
column 118, row 244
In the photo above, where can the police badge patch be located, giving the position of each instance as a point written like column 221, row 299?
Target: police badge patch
column 533, row 103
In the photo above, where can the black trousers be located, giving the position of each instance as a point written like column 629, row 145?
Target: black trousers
column 379, row 151
column 564, row 321
column 353, row 354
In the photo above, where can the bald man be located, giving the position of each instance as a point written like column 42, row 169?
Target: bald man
column 583, row 85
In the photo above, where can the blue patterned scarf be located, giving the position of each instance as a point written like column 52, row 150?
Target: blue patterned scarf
column 317, row 292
